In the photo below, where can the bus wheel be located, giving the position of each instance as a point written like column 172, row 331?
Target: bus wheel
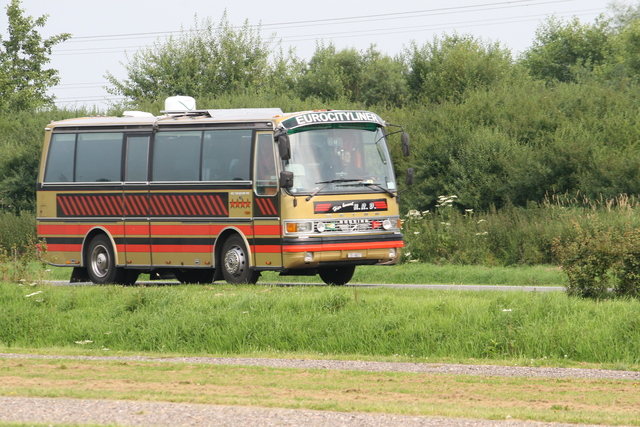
column 337, row 275
column 235, row 262
column 101, row 262
column 200, row 276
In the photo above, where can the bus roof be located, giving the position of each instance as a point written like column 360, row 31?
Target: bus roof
column 238, row 115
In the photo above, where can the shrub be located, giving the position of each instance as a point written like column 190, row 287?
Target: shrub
column 595, row 257
column 587, row 259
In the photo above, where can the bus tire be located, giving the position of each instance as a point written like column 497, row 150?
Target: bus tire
column 235, row 262
column 337, row 276
column 101, row 262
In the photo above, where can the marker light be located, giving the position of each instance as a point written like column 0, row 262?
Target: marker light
column 299, row 227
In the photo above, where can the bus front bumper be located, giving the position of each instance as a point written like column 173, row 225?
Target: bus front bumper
column 312, row 252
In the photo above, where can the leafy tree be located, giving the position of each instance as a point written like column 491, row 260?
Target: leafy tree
column 205, row 60
column 366, row 77
column 562, row 49
column 24, row 78
column 383, row 80
column 446, row 68
column 322, row 78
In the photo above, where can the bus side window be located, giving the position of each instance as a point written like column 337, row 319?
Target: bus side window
column 61, row 158
column 137, row 158
column 99, row 157
column 266, row 182
column 176, row 156
column 226, row 155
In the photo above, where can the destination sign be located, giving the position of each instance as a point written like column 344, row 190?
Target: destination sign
column 332, row 117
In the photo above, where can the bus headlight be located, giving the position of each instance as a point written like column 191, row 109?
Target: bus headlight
column 320, row 227
column 386, row 224
column 299, row 227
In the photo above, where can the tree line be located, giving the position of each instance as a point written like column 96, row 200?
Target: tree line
column 493, row 129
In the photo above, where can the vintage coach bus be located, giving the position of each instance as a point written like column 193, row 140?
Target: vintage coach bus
column 206, row 195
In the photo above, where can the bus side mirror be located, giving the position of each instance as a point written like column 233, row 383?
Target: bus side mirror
column 284, row 146
column 286, row 179
column 410, row 173
column 406, row 145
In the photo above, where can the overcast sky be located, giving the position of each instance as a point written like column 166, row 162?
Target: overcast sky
column 103, row 31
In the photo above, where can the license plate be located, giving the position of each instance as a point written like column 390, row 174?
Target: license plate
column 354, row 255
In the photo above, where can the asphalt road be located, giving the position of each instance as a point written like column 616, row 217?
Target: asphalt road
column 497, row 288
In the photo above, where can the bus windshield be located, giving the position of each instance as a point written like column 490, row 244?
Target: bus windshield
column 340, row 158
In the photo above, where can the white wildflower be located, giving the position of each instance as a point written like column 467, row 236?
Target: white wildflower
column 413, row 213
column 84, row 342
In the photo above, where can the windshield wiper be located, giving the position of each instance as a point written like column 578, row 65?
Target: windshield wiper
column 333, row 181
column 369, row 184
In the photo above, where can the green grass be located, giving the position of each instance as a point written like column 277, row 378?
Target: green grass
column 405, row 324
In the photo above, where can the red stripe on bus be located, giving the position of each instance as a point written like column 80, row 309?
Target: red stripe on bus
column 259, row 203
column 262, row 205
column 267, row 230
column 210, row 206
column 342, row 246
column 323, row 207
column 179, row 229
column 75, row 208
column 271, row 209
column 381, row 204
column 221, row 206
column 64, row 248
column 182, row 248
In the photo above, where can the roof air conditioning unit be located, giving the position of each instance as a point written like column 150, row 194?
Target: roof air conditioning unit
column 180, row 103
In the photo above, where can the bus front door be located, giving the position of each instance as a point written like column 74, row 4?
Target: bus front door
column 267, row 231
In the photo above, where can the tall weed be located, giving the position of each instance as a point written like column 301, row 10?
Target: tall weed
column 18, row 247
column 512, row 235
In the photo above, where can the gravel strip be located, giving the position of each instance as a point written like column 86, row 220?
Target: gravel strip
column 139, row 413
column 128, row 413
column 357, row 365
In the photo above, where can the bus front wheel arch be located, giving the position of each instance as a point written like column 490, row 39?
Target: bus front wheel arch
column 235, row 261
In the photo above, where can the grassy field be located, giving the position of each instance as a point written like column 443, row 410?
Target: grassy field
column 320, row 322
column 271, row 320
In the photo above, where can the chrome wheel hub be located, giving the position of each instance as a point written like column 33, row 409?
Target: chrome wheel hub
column 100, row 261
column 234, row 260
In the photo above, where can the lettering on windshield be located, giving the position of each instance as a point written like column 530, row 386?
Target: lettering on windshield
column 356, row 206
column 332, row 117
